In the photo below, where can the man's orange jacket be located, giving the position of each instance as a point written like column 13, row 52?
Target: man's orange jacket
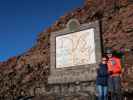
column 114, row 66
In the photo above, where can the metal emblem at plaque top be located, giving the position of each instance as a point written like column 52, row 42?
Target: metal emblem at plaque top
column 73, row 25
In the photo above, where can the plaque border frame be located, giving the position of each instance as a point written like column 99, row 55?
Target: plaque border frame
column 79, row 72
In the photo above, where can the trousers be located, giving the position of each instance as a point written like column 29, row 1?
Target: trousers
column 102, row 92
column 114, row 85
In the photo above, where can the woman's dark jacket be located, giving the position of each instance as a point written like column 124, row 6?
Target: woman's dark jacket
column 102, row 75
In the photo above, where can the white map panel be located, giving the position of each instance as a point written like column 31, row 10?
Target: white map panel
column 75, row 49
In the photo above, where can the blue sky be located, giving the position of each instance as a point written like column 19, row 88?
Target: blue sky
column 22, row 20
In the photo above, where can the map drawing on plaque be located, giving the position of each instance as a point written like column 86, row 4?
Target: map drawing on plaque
column 76, row 48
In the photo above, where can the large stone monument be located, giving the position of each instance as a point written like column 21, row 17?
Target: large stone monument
column 75, row 53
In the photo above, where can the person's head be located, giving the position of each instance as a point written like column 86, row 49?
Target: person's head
column 104, row 60
column 109, row 53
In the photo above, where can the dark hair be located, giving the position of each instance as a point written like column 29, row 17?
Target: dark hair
column 105, row 56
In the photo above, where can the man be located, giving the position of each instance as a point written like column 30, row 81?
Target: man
column 114, row 69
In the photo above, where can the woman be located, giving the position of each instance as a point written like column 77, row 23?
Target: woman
column 102, row 79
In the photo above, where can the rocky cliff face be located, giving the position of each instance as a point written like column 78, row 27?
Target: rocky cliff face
column 27, row 74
